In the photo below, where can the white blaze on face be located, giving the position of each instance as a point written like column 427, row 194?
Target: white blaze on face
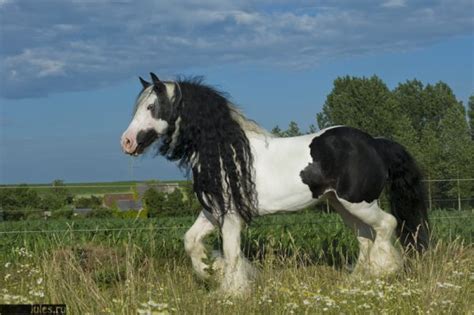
column 143, row 120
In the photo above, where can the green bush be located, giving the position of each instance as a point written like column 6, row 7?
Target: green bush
column 35, row 215
column 181, row 202
column 64, row 213
column 101, row 213
column 153, row 202
column 174, row 204
column 21, row 197
column 51, row 202
column 15, row 215
column 91, row 202
column 131, row 214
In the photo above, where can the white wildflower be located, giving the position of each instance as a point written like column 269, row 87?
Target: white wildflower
column 447, row 285
column 365, row 305
column 152, row 303
column 458, row 273
column 37, row 293
column 291, row 305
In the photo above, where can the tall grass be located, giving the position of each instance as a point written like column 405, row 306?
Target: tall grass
column 302, row 270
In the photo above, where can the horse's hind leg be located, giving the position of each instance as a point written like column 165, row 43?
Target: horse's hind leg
column 193, row 242
column 383, row 257
column 364, row 233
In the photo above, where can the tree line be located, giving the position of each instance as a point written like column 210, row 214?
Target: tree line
column 428, row 120
column 24, row 203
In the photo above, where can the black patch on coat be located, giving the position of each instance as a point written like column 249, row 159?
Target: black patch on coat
column 358, row 167
column 145, row 138
column 346, row 160
column 163, row 107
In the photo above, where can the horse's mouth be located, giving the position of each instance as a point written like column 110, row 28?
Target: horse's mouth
column 144, row 140
column 137, row 152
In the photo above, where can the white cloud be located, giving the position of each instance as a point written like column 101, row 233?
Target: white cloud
column 76, row 45
column 394, row 4
column 3, row 2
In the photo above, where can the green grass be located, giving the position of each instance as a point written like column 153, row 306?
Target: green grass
column 302, row 260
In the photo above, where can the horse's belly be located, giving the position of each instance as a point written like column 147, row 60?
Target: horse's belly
column 273, row 203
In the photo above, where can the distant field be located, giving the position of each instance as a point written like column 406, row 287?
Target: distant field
column 87, row 189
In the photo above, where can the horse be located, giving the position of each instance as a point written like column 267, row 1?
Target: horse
column 241, row 171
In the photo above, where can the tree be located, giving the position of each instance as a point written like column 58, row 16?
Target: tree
column 153, row 202
column 19, row 198
column 90, row 202
column 470, row 115
column 439, row 122
column 364, row 103
column 58, row 197
column 51, row 202
column 191, row 201
column 312, row 129
column 456, row 148
column 19, row 202
column 424, row 105
column 292, row 131
column 277, row 131
column 410, row 96
column 174, row 203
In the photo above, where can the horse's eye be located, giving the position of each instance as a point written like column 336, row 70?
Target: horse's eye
column 150, row 107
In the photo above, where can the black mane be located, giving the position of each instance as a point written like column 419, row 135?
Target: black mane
column 212, row 144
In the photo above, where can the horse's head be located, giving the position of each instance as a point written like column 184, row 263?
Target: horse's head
column 153, row 115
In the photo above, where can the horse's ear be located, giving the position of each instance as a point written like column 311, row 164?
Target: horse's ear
column 154, row 78
column 144, row 83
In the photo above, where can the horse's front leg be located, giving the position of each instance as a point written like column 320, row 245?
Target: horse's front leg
column 193, row 242
column 238, row 272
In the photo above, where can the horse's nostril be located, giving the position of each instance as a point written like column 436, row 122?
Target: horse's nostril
column 127, row 143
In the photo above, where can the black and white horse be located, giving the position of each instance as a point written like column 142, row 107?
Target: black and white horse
column 240, row 171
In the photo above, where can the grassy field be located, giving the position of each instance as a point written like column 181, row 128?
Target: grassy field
column 129, row 266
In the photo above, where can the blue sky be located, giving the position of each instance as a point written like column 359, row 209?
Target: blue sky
column 69, row 68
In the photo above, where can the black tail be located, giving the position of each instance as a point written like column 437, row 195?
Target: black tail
column 407, row 194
